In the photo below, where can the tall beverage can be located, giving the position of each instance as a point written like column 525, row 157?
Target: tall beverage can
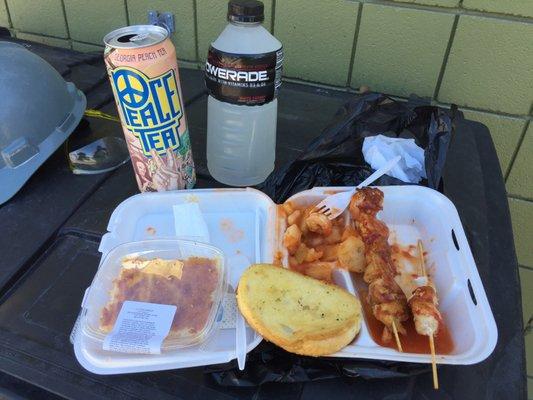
column 143, row 70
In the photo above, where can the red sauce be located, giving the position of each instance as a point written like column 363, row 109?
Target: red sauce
column 412, row 342
column 192, row 294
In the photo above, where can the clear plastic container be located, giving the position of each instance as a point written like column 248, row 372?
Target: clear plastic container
column 100, row 292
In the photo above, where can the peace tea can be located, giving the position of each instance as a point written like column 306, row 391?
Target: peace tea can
column 143, row 70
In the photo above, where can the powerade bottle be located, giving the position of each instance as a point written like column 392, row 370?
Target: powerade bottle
column 243, row 76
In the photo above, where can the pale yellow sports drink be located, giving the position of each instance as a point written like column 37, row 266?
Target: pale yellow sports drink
column 143, row 70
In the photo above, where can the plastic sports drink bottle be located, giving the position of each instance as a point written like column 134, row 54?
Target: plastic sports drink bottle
column 243, row 76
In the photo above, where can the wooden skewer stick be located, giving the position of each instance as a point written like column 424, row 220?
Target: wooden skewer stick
column 422, row 260
column 395, row 331
column 433, row 363
column 431, row 339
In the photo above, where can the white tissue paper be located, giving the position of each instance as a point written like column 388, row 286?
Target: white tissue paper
column 379, row 149
column 189, row 223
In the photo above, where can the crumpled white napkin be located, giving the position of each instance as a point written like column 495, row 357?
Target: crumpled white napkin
column 379, row 149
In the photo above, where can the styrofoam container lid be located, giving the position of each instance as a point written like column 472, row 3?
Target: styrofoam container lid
column 204, row 278
column 241, row 223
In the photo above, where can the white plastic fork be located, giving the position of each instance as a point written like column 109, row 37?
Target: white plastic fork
column 334, row 205
column 238, row 264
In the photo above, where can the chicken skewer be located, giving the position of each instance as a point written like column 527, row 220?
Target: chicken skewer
column 424, row 327
column 389, row 304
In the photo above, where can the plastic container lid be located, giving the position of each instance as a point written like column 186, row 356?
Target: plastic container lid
column 201, row 284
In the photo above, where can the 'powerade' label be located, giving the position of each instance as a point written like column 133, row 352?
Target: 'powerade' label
column 246, row 79
column 151, row 108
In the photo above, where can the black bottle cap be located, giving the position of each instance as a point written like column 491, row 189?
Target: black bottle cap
column 246, row 11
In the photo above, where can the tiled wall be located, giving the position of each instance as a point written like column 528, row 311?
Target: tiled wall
column 475, row 53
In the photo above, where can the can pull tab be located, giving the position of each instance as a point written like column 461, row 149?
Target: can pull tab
column 165, row 20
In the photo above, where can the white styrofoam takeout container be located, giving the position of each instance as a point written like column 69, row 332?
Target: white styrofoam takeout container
column 413, row 213
column 245, row 222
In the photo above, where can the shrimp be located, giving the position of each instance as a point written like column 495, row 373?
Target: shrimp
column 294, row 217
column 335, row 236
column 329, row 252
column 319, row 270
column 319, row 223
column 351, row 254
column 307, row 254
column 288, row 208
column 292, row 238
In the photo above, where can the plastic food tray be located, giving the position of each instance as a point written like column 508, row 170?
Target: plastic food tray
column 245, row 222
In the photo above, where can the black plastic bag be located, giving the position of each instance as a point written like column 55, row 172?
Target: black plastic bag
column 335, row 157
column 269, row 363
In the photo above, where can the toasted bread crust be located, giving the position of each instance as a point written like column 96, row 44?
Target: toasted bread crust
column 303, row 333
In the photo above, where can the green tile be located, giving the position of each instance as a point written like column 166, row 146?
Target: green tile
column 489, row 66
column 43, row 16
column 50, row 41
column 86, row 48
column 505, row 132
column 4, row 17
column 520, row 180
column 399, row 50
column 211, row 20
column 522, row 216
column 530, row 387
column 183, row 11
column 317, row 39
column 440, row 3
column 89, row 21
column 514, row 7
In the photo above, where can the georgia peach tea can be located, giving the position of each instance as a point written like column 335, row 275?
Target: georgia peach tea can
column 143, row 70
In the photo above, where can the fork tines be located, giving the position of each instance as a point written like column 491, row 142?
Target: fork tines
column 323, row 210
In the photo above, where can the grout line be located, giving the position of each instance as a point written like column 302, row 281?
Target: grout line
column 460, row 5
column 518, row 197
column 452, row 10
column 525, row 267
column 92, row 44
column 195, row 65
column 196, row 40
column 41, row 34
column 65, row 18
column 518, row 146
column 354, row 43
column 526, row 117
column 9, row 20
column 273, row 17
column 66, row 22
column 127, row 12
column 446, row 56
